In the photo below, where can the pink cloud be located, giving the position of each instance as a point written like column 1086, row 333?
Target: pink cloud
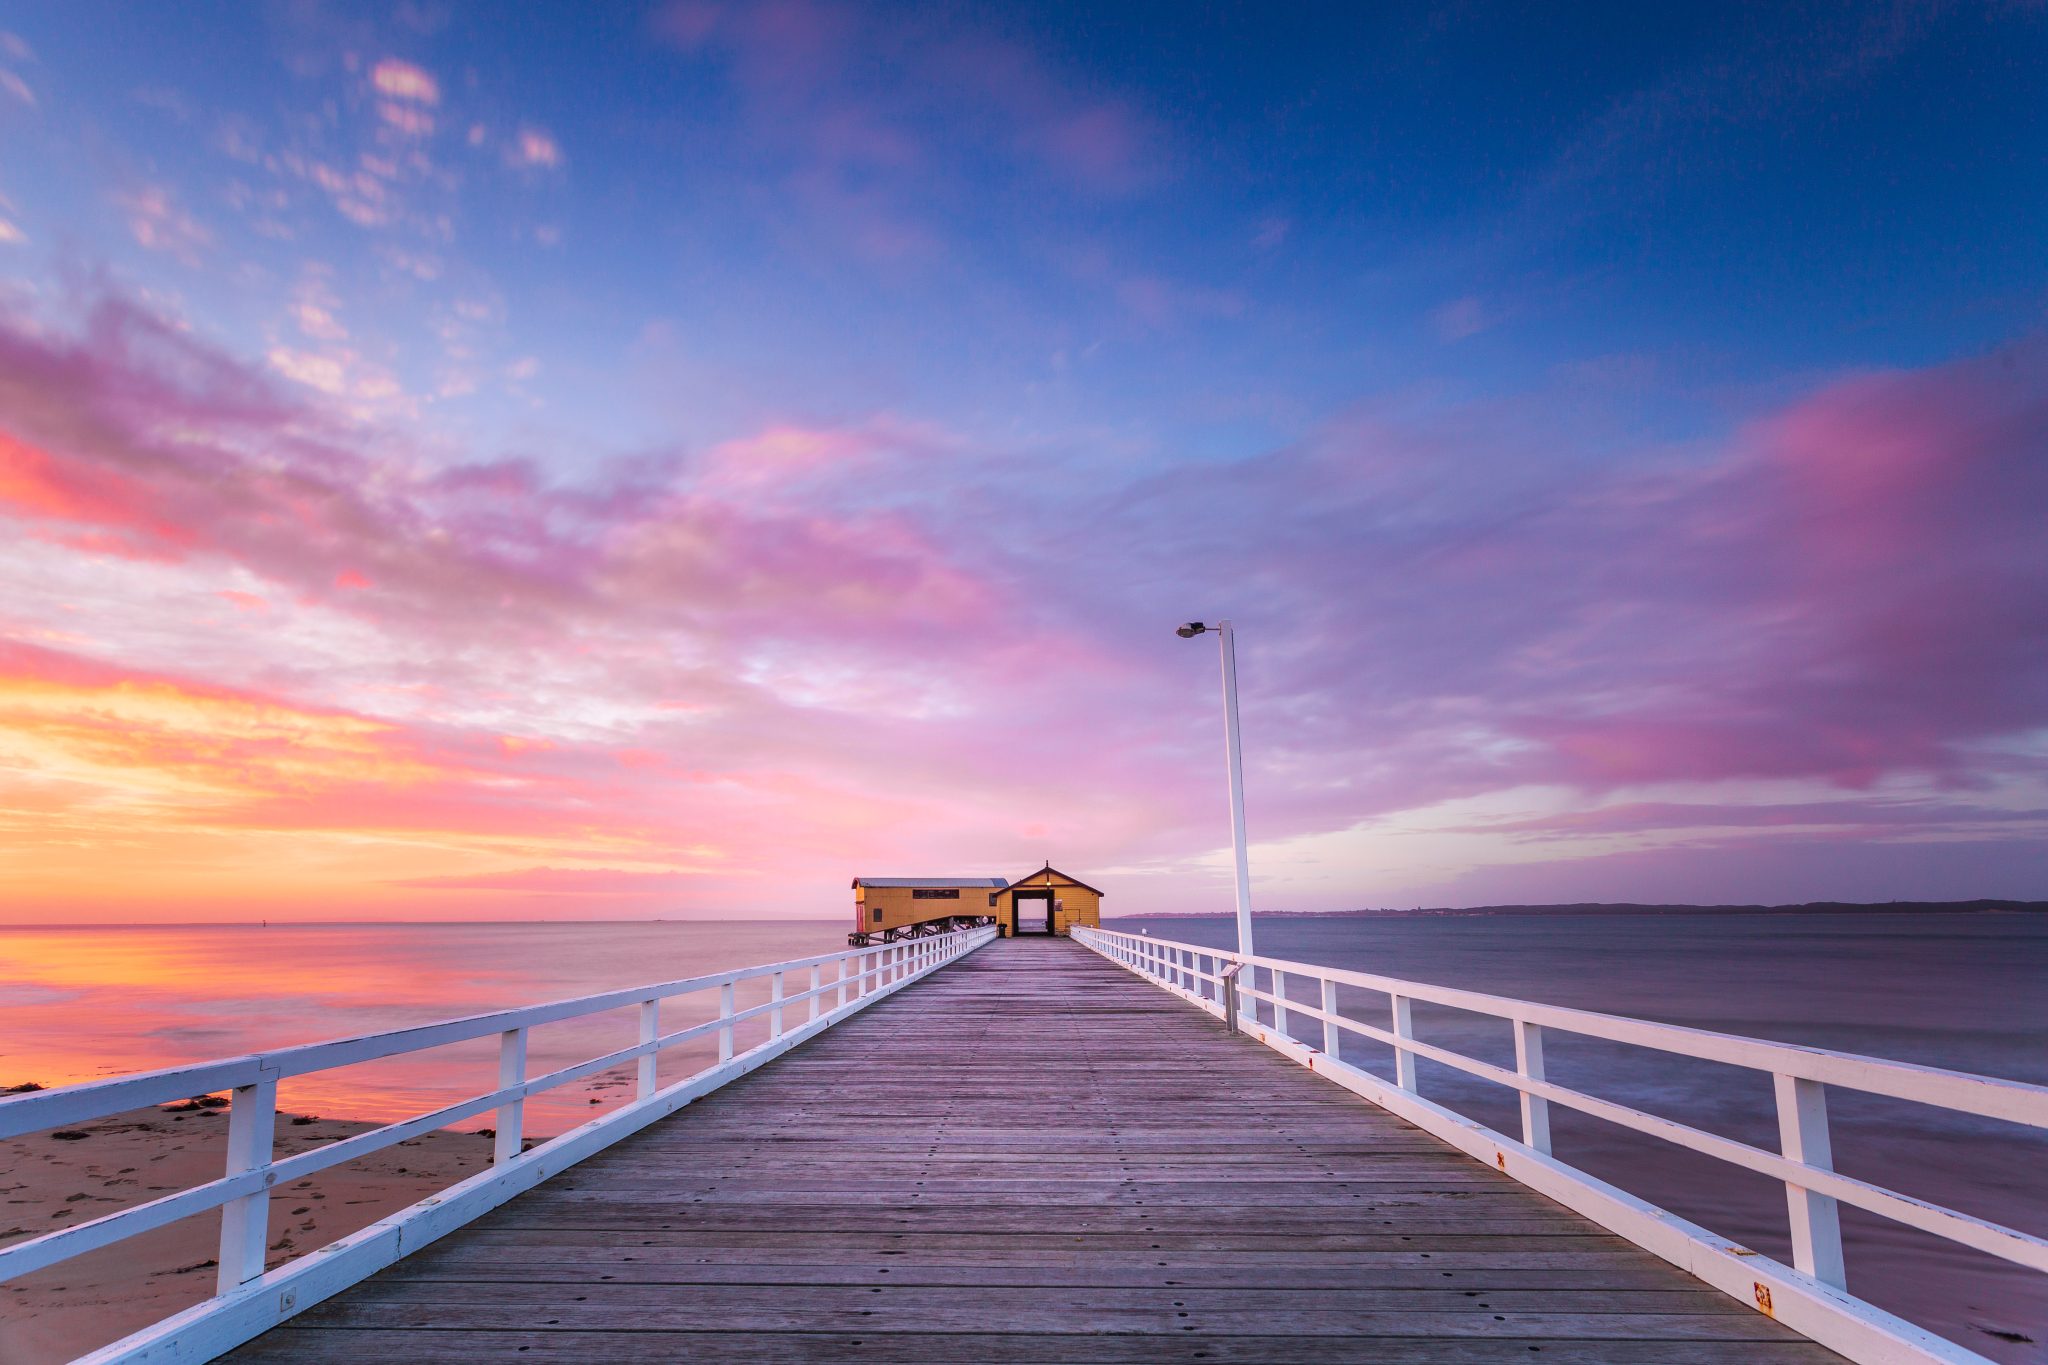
column 1845, row 591
column 536, row 148
column 158, row 223
column 404, row 81
column 873, row 642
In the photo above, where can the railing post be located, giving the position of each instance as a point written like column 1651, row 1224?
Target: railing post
column 1278, row 980
column 512, row 1114
column 725, row 1013
column 842, row 982
column 1332, row 1035
column 245, row 1222
column 775, row 989
column 1404, row 1027
column 1535, row 1109
column 650, row 1031
column 1816, row 1218
column 817, row 986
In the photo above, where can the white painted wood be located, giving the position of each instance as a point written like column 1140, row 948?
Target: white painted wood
column 254, row 1306
column 511, row 1120
column 1809, row 1296
column 1403, row 1011
column 245, row 1222
column 61, row 1245
column 725, row 996
column 1816, row 1219
column 1226, row 640
column 1535, row 1108
column 1332, row 1037
column 69, row 1105
column 647, row 1081
column 1858, row 1330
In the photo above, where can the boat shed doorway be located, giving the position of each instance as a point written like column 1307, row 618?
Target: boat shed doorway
column 1047, row 902
column 1033, row 912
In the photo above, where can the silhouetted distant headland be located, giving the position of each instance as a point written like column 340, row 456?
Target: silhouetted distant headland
column 1977, row 907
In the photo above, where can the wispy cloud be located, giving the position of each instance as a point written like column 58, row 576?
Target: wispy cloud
column 810, row 635
column 158, row 223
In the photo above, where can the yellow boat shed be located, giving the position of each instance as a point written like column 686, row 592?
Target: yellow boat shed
column 1046, row 901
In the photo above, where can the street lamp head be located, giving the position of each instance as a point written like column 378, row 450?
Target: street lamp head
column 1190, row 630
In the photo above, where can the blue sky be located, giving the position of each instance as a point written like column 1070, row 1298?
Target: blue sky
column 1358, row 322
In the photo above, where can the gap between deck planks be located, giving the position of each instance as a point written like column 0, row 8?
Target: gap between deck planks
column 1032, row 1156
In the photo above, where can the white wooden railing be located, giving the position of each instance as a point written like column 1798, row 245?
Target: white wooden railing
column 1810, row 1295
column 249, row 1299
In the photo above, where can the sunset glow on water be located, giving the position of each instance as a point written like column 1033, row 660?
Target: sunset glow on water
column 80, row 1004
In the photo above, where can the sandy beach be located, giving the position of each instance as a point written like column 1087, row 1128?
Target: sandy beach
column 48, row 1181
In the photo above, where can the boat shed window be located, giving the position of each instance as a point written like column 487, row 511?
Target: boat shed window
column 936, row 893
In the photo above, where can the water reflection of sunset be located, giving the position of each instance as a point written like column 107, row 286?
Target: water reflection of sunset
column 77, row 1004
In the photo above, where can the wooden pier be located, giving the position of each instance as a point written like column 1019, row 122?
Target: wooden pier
column 1031, row 1155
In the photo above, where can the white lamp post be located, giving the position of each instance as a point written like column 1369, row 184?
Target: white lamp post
column 1235, row 763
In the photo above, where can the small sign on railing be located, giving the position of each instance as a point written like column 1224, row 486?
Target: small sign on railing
column 1229, row 981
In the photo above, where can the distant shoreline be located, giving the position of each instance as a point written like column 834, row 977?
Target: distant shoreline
column 1976, row 907
column 1970, row 907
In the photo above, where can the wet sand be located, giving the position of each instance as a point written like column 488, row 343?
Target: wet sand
column 48, row 1182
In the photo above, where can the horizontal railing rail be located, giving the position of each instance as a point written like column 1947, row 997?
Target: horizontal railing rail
column 1814, row 1286
column 857, row 978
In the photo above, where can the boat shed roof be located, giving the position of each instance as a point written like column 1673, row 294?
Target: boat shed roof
column 1049, row 868
column 933, row 883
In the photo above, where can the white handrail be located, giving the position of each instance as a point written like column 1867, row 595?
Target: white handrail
column 238, row 1310
column 1810, row 1295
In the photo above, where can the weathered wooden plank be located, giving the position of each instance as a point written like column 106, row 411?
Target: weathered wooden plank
column 1032, row 1157
column 557, row 1265
column 1008, row 1248
column 1042, row 1314
column 288, row 1346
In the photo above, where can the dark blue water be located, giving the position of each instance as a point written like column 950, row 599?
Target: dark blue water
column 1968, row 992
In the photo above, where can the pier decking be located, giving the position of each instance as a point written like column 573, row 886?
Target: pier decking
column 1032, row 1156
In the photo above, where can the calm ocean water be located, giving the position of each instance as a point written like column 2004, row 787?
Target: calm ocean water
column 1969, row 992
column 76, row 1004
